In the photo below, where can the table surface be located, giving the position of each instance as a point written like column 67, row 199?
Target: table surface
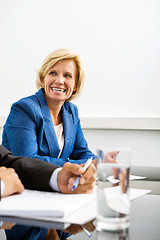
column 144, row 221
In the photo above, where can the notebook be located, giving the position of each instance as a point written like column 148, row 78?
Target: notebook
column 48, row 204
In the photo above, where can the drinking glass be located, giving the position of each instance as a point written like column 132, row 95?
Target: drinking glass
column 113, row 204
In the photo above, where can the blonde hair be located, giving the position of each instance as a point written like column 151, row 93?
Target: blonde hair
column 57, row 56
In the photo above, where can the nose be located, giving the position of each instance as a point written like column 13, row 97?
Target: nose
column 60, row 78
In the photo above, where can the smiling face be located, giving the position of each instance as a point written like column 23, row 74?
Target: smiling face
column 59, row 82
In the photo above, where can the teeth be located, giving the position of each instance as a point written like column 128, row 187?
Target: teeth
column 58, row 90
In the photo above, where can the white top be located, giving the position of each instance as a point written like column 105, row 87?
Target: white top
column 60, row 136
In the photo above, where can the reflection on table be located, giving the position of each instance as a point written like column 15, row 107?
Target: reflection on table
column 9, row 222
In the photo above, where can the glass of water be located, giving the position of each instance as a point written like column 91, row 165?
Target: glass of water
column 113, row 203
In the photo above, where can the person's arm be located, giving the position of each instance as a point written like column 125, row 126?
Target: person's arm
column 36, row 175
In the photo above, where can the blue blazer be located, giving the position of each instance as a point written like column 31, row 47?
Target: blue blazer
column 29, row 131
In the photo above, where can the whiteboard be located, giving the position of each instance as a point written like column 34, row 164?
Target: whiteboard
column 118, row 41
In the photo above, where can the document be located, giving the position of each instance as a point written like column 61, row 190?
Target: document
column 133, row 192
column 48, row 204
column 134, row 177
column 131, row 177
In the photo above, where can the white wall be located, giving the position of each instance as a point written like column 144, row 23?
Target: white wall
column 118, row 40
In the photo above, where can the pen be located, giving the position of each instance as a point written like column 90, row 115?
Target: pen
column 118, row 168
column 116, row 155
column 86, row 231
column 86, row 165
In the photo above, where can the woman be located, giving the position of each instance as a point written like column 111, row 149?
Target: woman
column 46, row 125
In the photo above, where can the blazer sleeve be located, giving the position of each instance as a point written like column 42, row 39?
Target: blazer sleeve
column 33, row 174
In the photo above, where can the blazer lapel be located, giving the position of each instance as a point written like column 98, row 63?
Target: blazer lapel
column 68, row 129
column 48, row 126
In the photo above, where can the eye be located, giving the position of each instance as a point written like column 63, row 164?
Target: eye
column 67, row 75
column 53, row 73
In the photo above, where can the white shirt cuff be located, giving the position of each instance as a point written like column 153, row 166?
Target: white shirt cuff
column 2, row 187
column 53, row 180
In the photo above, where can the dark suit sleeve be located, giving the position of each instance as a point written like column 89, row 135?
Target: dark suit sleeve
column 33, row 173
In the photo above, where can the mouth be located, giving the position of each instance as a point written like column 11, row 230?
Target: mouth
column 58, row 90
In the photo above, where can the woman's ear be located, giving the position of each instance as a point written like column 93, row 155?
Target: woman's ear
column 42, row 82
column 74, row 89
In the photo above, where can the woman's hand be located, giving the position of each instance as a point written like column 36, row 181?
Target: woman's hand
column 110, row 157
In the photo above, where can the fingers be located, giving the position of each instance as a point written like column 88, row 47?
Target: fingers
column 113, row 153
column 110, row 157
column 85, row 188
column 87, row 181
column 89, row 175
column 95, row 162
column 75, row 169
column 68, row 174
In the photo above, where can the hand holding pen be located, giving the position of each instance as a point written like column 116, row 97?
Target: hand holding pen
column 67, row 175
column 110, row 157
column 76, row 182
